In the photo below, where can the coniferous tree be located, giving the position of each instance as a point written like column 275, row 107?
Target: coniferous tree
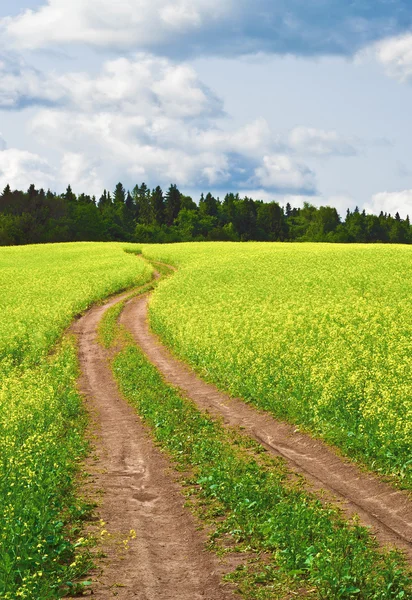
column 104, row 201
column 119, row 195
column 208, row 205
column 172, row 204
column 158, row 206
column 141, row 196
column 69, row 196
column 38, row 216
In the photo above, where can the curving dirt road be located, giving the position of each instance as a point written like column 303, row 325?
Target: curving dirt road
column 387, row 511
column 166, row 558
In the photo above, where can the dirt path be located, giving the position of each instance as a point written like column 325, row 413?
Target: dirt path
column 387, row 511
column 166, row 559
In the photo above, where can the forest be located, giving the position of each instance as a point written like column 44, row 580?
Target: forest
column 152, row 216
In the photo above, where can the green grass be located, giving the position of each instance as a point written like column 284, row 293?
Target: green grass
column 42, row 421
column 299, row 543
column 319, row 335
column 106, row 327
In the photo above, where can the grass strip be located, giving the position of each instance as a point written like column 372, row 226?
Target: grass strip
column 107, row 327
column 257, row 506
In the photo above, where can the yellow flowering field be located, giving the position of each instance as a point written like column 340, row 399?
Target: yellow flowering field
column 318, row 334
column 41, row 420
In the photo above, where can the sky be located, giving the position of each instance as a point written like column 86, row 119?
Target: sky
column 284, row 100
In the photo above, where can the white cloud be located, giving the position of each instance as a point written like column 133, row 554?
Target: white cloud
column 253, row 137
column 19, row 169
column 104, row 23
column 142, row 84
column 395, row 55
column 280, row 172
column 391, row 202
column 81, row 172
column 153, row 119
column 208, row 26
column 148, row 118
column 3, row 144
column 318, row 142
column 21, row 83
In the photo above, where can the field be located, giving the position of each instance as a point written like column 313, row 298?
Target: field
column 41, row 415
column 299, row 546
column 317, row 334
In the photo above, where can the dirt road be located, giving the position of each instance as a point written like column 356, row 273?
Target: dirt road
column 166, row 558
column 387, row 511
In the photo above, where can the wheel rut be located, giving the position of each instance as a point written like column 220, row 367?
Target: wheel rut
column 166, row 558
column 386, row 511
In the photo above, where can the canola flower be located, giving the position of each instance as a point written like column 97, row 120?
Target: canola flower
column 318, row 334
column 41, row 418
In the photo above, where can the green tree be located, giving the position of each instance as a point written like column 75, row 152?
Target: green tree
column 172, row 204
column 270, row 222
column 208, row 205
column 158, row 206
column 142, row 199
column 119, row 195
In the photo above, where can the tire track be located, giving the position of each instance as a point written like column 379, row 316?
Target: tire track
column 386, row 510
column 166, row 559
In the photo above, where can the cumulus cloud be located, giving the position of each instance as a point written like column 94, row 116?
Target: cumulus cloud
column 210, row 26
column 135, row 85
column 391, row 202
column 394, row 54
column 279, row 172
column 21, row 84
column 81, row 172
column 149, row 118
column 19, row 169
column 127, row 24
column 318, row 142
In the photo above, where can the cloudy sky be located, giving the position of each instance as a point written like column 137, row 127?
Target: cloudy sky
column 291, row 100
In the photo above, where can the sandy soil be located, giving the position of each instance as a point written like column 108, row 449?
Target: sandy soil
column 387, row 511
column 166, row 559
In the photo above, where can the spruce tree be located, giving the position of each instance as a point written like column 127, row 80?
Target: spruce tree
column 158, row 206
column 172, row 204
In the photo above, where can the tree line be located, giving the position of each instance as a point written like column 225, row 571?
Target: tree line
column 145, row 215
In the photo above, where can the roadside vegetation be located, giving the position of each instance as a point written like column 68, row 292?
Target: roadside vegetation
column 319, row 335
column 291, row 542
column 41, row 417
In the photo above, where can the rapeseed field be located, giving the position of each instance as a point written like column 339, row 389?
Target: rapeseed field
column 317, row 334
column 41, row 418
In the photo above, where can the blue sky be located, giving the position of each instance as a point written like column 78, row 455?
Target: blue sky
column 286, row 100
